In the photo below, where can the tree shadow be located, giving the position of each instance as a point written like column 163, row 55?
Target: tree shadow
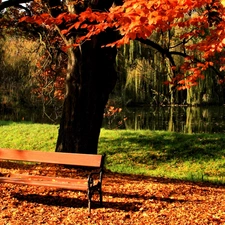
column 144, row 197
column 161, row 180
column 161, row 147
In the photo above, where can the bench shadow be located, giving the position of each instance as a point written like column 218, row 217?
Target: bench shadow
column 82, row 203
column 75, row 202
column 144, row 197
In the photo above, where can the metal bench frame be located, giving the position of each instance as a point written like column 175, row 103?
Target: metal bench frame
column 91, row 184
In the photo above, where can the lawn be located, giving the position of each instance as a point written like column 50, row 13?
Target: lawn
column 193, row 157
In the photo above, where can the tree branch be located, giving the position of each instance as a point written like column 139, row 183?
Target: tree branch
column 164, row 52
column 11, row 3
column 26, row 9
column 220, row 75
column 168, row 54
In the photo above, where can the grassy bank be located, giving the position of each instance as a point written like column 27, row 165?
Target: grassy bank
column 198, row 157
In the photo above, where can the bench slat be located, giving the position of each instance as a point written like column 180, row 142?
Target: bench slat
column 51, row 157
column 46, row 183
column 46, row 178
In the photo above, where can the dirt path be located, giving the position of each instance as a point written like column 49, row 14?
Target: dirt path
column 127, row 200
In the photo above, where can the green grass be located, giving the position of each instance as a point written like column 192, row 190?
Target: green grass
column 195, row 157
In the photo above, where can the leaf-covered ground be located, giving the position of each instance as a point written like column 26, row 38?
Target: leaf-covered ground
column 127, row 200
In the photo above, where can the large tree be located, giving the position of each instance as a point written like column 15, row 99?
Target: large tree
column 91, row 32
column 90, row 76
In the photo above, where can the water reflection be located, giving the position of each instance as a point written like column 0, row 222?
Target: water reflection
column 178, row 119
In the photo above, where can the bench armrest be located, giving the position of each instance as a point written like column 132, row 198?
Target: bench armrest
column 91, row 180
column 91, row 177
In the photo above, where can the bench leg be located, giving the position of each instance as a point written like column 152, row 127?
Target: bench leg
column 100, row 196
column 89, row 195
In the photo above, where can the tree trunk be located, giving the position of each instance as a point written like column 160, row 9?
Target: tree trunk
column 91, row 76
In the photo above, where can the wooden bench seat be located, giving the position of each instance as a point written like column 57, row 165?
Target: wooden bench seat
column 91, row 184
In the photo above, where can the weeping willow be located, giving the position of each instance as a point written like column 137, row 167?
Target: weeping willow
column 142, row 72
column 141, row 80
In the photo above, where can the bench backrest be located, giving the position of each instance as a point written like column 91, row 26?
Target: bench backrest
column 88, row 160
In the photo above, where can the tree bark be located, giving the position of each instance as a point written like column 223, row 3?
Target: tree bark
column 91, row 76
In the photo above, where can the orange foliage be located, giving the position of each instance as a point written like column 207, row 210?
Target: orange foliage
column 139, row 19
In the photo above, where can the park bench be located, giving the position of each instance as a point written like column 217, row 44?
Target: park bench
column 91, row 183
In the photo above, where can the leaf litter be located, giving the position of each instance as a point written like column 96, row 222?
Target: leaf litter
column 127, row 199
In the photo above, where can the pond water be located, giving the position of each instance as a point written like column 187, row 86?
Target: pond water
column 178, row 119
